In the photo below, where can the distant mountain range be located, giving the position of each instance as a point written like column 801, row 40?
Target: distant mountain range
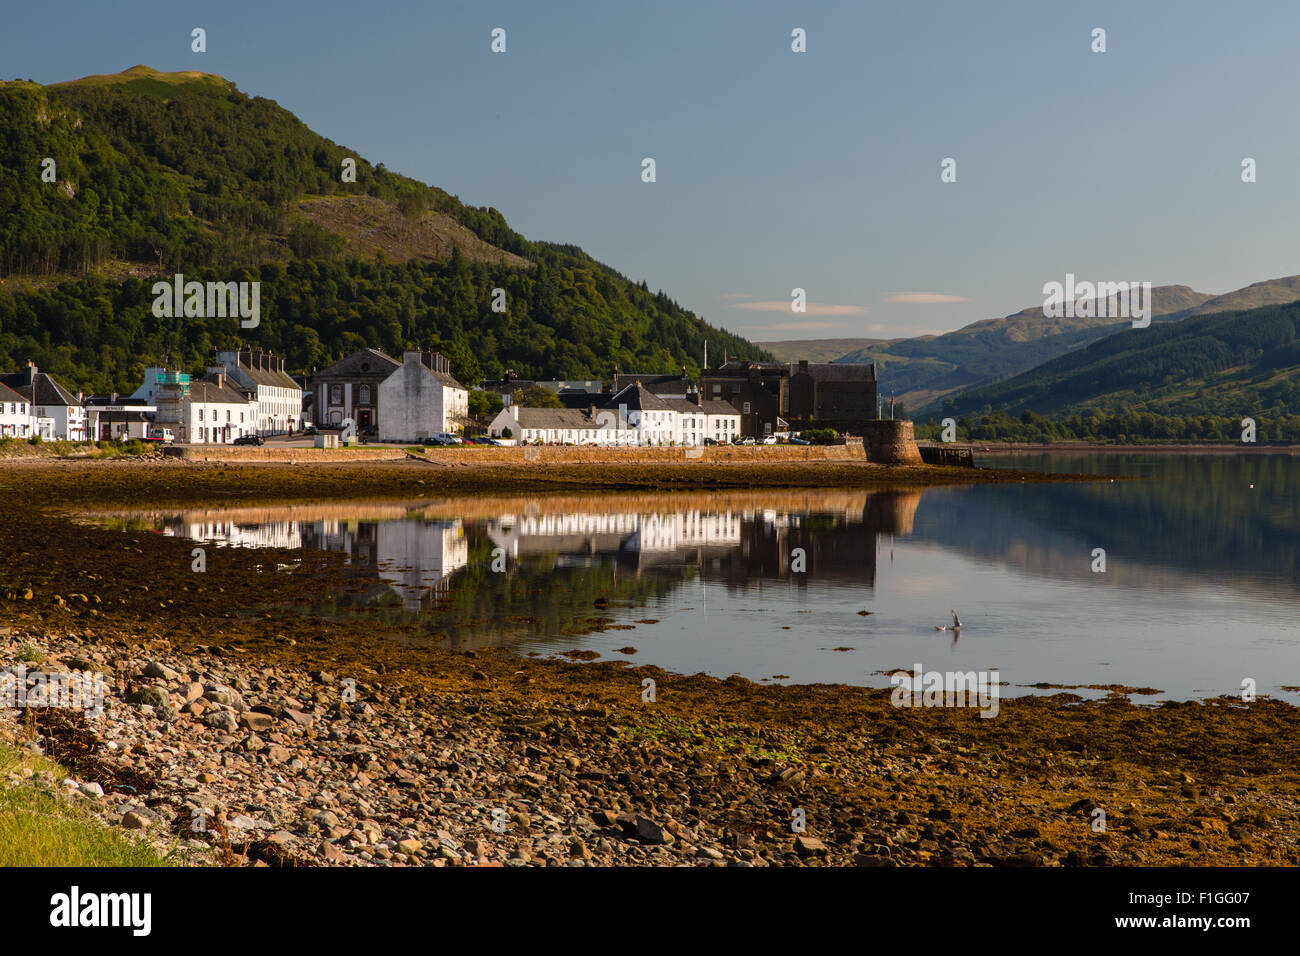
column 816, row 350
column 1214, row 363
column 924, row 370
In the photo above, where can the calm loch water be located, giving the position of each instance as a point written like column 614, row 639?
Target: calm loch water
column 1201, row 588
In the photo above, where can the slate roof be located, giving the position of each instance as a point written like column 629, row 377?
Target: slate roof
column 637, row 398
column 204, row 391
column 264, row 376
column 378, row 365
column 43, row 391
column 709, row 407
column 672, row 384
column 554, row 418
column 447, row 379
column 7, row 394
column 716, row 407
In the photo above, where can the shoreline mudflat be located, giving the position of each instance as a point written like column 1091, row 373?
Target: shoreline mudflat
column 242, row 711
column 61, row 483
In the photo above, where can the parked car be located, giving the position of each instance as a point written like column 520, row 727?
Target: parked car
column 769, row 440
column 712, row 441
column 309, row 430
column 249, row 440
column 796, row 440
column 744, row 441
column 435, row 440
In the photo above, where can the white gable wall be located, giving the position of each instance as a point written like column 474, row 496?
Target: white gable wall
column 414, row 404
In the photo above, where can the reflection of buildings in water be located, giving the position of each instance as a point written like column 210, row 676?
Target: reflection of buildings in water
column 271, row 534
column 418, row 559
column 413, row 559
column 741, row 548
column 612, row 534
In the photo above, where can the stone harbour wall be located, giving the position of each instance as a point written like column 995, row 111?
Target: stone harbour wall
column 888, row 442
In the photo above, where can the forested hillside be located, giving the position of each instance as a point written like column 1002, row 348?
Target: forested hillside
column 157, row 174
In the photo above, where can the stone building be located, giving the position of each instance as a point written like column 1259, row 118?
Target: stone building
column 350, row 389
column 759, row 391
column 829, row 392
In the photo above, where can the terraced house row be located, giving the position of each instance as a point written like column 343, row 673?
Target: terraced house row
column 632, row 416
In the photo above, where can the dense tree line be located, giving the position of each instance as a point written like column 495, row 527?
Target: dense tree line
column 560, row 322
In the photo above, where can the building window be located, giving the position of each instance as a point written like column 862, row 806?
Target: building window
column 336, row 394
column 746, row 408
column 364, row 396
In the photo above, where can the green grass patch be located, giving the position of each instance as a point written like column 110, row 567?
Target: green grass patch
column 38, row 827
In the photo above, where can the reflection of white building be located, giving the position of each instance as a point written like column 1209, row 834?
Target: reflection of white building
column 416, row 557
column 622, row 532
column 690, row 529
column 272, row 534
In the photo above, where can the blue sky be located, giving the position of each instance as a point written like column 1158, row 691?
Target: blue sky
column 778, row 170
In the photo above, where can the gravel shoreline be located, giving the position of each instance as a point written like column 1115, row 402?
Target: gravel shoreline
column 500, row 760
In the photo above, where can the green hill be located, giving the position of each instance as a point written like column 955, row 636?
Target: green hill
column 159, row 173
column 1226, row 364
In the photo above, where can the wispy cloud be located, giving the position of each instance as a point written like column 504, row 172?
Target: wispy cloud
column 812, row 308
column 924, row 298
column 735, row 295
column 803, row 326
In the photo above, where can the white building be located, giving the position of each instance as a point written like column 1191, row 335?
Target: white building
column 554, row 426
column 60, row 414
column 635, row 416
column 113, row 418
column 206, row 411
column 216, row 413
column 17, row 419
column 278, row 396
column 421, row 398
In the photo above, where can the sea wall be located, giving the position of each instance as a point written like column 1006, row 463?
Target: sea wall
column 884, row 442
column 852, row 450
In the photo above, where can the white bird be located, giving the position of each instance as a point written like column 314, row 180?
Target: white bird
column 956, row 621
